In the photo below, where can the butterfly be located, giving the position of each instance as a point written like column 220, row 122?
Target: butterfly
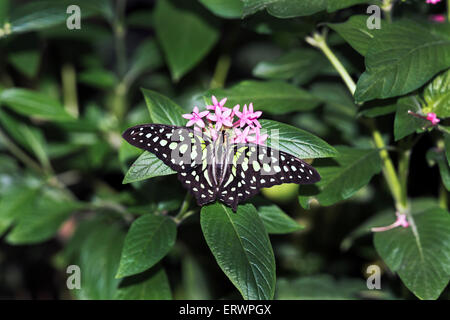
column 219, row 169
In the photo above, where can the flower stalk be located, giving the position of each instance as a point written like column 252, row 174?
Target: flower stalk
column 319, row 41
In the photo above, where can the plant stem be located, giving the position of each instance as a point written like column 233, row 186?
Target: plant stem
column 389, row 170
column 184, row 213
column 403, row 171
column 448, row 10
column 443, row 197
column 319, row 41
column 69, row 84
column 119, row 34
column 387, row 8
column 221, row 72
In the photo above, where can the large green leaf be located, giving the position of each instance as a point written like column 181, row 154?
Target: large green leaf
column 145, row 167
column 149, row 239
column 162, row 109
column 305, row 62
column 276, row 221
column 437, row 96
column 419, row 254
column 37, row 15
column 334, row 5
column 42, row 219
column 150, row 285
column 196, row 284
column 15, row 202
column 284, row 8
column 241, row 246
column 29, row 137
column 224, row 8
column 95, row 248
column 188, row 40
column 319, row 287
column 295, row 141
column 401, row 58
column 355, row 32
column 269, row 96
column 343, row 175
column 147, row 57
column 386, row 217
column 32, row 103
column 98, row 78
column 404, row 123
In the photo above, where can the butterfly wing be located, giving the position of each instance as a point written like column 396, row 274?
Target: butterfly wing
column 183, row 150
column 253, row 167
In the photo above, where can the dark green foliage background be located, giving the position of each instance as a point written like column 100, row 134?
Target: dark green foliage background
column 73, row 192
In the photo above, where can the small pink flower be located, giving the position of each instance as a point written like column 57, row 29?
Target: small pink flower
column 222, row 116
column 216, row 103
column 433, row 1
column 241, row 136
column 401, row 221
column 257, row 138
column 247, row 116
column 431, row 116
column 439, row 18
column 195, row 117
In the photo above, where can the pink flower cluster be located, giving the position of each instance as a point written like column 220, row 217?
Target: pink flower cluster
column 433, row 1
column 245, row 128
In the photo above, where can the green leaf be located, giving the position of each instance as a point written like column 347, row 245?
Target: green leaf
column 224, row 8
column 404, row 123
column 26, row 61
column 334, row 5
column 306, row 62
column 386, row 217
column 162, row 109
column 437, row 156
column 43, row 14
column 378, row 110
column 95, row 248
column 32, row 103
column 401, row 58
column 284, row 8
column 147, row 57
column 150, row 285
column 145, row 167
column 241, row 246
column 447, row 147
column 15, row 202
column 149, row 239
column 343, row 175
column 196, row 284
column 319, row 287
column 419, row 253
column 188, row 40
column 295, row 141
column 355, row 32
column 42, row 219
column 30, row 138
column 268, row 96
column 437, row 96
column 98, row 78
column 276, row 221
